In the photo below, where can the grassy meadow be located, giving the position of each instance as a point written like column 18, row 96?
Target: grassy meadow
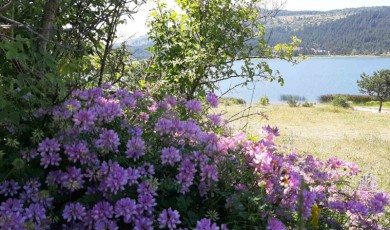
column 326, row 131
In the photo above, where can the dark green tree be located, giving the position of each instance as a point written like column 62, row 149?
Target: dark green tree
column 377, row 85
column 50, row 47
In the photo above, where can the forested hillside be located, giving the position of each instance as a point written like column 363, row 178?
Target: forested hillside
column 340, row 32
column 359, row 31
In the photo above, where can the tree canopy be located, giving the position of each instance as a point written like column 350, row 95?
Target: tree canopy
column 196, row 47
column 377, row 85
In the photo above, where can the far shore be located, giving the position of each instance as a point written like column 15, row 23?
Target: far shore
column 347, row 56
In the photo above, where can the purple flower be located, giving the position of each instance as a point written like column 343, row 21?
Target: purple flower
column 143, row 116
column 73, row 212
column 146, row 188
column 143, row 223
column 275, row 224
column 146, row 170
column 105, row 225
column 12, row 220
column 72, row 179
column 212, row 99
column 169, row 218
column 108, row 110
column 108, row 141
column 357, row 207
column 209, row 172
column 170, row 156
column 135, row 148
column 29, row 155
column 378, row 202
column 215, row 119
column 90, row 94
column 49, row 146
column 138, row 94
column 338, row 206
column 271, row 130
column 36, row 212
column 32, row 186
column 206, row 224
column 102, row 211
column 133, row 176
column 50, row 158
column 72, row 105
column 146, row 204
column 127, row 208
column 85, row 119
column 334, row 163
column 194, row 106
column 122, row 93
column 116, row 177
column 170, row 100
column 54, row 177
column 11, row 205
column 308, row 202
column 128, row 102
column 186, row 175
column 106, row 85
column 77, row 152
column 9, row 188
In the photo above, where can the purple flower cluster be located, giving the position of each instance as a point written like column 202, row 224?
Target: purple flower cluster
column 212, row 99
column 170, row 156
column 135, row 148
column 123, row 160
column 169, row 219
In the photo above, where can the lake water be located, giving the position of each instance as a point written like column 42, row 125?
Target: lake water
column 311, row 78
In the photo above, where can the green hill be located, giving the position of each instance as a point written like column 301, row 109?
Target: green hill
column 358, row 31
column 340, row 32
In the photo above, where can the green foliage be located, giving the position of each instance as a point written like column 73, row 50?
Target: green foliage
column 196, row 47
column 376, row 103
column 377, row 85
column 307, row 104
column 232, row 101
column 357, row 99
column 292, row 100
column 264, row 101
column 50, row 48
column 340, row 101
column 361, row 31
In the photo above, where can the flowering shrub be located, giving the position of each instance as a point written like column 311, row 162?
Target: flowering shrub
column 122, row 160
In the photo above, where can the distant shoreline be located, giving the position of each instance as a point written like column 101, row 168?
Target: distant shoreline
column 347, row 56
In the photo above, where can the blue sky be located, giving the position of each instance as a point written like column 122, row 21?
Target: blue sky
column 137, row 26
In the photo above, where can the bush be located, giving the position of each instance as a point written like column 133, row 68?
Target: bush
column 122, row 160
column 357, row 99
column 307, row 104
column 340, row 101
column 292, row 100
column 232, row 101
column 264, row 101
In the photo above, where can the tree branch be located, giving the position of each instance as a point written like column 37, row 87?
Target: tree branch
column 7, row 6
column 31, row 30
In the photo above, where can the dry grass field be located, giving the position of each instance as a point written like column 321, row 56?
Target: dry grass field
column 326, row 131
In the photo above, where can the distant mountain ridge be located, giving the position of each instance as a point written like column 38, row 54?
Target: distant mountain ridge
column 360, row 31
column 355, row 31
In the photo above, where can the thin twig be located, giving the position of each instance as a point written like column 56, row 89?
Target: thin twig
column 31, row 30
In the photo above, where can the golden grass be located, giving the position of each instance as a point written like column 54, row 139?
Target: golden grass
column 326, row 131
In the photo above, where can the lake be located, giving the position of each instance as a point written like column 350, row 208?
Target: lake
column 311, row 78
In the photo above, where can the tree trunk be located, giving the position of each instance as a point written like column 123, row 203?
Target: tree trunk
column 380, row 105
column 108, row 47
column 48, row 20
